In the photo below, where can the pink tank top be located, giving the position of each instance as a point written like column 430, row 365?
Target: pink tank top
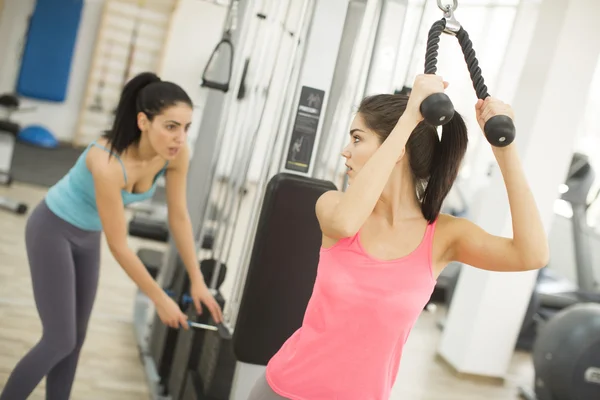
column 356, row 324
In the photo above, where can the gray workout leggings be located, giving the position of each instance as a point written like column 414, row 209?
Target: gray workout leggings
column 262, row 391
column 64, row 262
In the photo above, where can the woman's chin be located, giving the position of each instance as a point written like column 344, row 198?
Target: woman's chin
column 171, row 153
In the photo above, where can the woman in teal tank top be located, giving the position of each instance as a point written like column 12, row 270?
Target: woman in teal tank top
column 148, row 139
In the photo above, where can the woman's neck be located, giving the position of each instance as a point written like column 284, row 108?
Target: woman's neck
column 142, row 151
column 398, row 201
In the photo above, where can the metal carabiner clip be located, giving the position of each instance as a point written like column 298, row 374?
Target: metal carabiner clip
column 452, row 24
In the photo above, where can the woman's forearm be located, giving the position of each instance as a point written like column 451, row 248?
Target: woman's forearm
column 361, row 197
column 135, row 269
column 529, row 236
column 183, row 234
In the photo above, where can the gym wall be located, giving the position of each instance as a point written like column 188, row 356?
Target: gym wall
column 60, row 118
column 196, row 29
column 13, row 27
column 264, row 58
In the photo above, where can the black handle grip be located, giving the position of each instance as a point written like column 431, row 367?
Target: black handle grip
column 223, row 87
column 437, row 109
column 224, row 331
column 500, row 131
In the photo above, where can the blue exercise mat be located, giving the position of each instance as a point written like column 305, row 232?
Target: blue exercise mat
column 48, row 53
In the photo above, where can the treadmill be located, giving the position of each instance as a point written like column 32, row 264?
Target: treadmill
column 553, row 292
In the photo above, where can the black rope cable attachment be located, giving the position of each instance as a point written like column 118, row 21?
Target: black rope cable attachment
column 438, row 109
column 224, row 48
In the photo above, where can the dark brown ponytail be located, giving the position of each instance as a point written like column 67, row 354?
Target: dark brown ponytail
column 444, row 165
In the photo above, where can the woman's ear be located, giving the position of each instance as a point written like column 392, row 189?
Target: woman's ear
column 143, row 122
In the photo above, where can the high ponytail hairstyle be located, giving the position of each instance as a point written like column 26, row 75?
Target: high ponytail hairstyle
column 434, row 162
column 145, row 93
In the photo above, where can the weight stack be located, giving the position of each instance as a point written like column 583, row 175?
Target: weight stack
column 217, row 365
column 193, row 389
column 214, row 377
column 188, row 349
column 163, row 339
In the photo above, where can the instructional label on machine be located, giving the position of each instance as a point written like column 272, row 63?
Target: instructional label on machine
column 305, row 128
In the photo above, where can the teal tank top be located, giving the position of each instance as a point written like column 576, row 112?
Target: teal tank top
column 73, row 198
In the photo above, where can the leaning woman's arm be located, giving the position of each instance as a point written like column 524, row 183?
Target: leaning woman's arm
column 181, row 229
column 108, row 180
column 180, row 224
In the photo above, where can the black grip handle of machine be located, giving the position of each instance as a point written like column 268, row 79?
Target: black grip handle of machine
column 224, row 331
column 221, row 86
column 437, row 109
column 500, row 129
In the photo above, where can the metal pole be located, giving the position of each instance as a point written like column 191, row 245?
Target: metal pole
column 293, row 69
column 244, row 162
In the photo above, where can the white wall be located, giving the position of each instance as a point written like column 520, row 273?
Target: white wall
column 196, row 29
column 59, row 118
column 13, row 26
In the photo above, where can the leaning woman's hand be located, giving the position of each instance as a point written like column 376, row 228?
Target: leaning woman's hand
column 200, row 293
column 170, row 314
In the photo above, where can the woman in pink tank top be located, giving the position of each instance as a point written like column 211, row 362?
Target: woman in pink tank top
column 384, row 244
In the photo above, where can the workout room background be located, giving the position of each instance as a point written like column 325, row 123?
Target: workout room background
column 197, row 22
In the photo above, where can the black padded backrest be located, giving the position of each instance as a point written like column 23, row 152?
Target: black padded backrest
column 282, row 269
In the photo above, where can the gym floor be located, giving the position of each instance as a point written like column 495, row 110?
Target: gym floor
column 110, row 366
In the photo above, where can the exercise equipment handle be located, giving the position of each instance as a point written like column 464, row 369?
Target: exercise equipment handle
column 202, row 326
column 222, row 86
column 499, row 130
column 223, row 330
column 437, row 109
column 185, row 299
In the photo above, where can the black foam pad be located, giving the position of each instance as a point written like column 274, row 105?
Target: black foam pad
column 282, row 269
column 149, row 228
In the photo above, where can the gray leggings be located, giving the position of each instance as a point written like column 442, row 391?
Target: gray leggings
column 262, row 391
column 64, row 262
